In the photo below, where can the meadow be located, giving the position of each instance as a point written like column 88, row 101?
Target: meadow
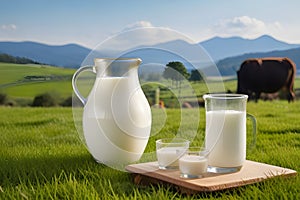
column 13, row 82
column 23, row 82
column 42, row 156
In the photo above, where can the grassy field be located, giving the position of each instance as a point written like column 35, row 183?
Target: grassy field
column 43, row 158
column 13, row 82
column 17, row 87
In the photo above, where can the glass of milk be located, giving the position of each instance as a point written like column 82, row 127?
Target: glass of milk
column 193, row 164
column 225, row 131
column 169, row 150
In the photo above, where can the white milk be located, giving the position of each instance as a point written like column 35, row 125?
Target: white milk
column 193, row 165
column 116, row 122
column 167, row 157
column 230, row 149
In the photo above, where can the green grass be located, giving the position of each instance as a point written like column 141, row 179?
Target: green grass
column 42, row 157
column 22, row 91
column 14, row 72
column 32, row 89
column 13, row 83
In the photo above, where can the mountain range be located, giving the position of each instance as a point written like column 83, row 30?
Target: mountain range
column 229, row 66
column 227, row 53
column 220, row 48
column 69, row 55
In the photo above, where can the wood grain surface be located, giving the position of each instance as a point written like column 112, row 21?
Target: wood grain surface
column 251, row 172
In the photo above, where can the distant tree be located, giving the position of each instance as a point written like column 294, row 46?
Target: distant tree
column 7, row 58
column 23, row 60
column 44, row 100
column 176, row 71
column 3, row 98
column 18, row 60
column 195, row 75
column 67, row 102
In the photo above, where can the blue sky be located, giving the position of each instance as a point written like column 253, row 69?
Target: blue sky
column 90, row 22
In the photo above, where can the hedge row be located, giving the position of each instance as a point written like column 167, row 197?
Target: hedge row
column 41, row 100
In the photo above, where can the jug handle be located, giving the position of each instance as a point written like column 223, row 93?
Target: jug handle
column 74, row 80
column 254, row 129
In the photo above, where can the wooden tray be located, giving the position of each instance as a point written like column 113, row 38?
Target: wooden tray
column 251, row 172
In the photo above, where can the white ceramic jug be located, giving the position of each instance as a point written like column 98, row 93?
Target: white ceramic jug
column 116, row 116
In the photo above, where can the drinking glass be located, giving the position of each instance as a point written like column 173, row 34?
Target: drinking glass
column 193, row 164
column 169, row 150
column 225, row 131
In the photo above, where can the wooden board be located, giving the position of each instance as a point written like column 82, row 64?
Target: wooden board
column 251, row 172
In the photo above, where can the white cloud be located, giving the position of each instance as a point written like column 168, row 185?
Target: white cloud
column 139, row 33
column 8, row 27
column 138, row 24
column 244, row 26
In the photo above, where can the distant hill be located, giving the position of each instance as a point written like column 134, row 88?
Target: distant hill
column 229, row 66
column 70, row 55
column 220, row 48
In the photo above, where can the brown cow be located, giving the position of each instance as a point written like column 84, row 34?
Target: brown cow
column 266, row 75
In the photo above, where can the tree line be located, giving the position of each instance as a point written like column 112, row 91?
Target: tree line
column 47, row 99
column 16, row 59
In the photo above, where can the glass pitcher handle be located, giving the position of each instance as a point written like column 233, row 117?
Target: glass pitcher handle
column 74, row 80
column 254, row 129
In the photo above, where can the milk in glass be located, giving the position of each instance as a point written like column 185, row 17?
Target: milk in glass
column 167, row 157
column 192, row 165
column 226, row 138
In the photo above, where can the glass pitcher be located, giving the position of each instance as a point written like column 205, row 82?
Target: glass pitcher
column 225, row 131
column 116, row 115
